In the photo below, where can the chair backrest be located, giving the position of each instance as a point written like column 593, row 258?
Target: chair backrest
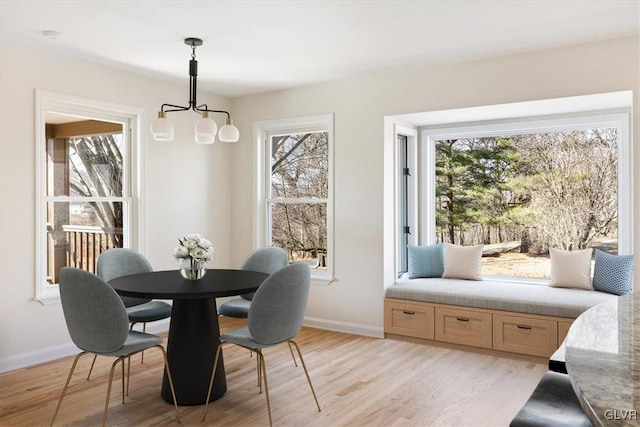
column 96, row 317
column 265, row 260
column 277, row 310
column 117, row 262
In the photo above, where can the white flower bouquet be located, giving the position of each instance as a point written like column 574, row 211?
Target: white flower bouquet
column 194, row 251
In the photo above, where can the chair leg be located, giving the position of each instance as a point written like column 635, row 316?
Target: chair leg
column 106, row 403
column 173, row 392
column 263, row 368
column 213, row 375
column 292, row 356
column 128, row 372
column 306, row 373
column 66, row 385
column 95, row 356
column 123, row 376
column 144, row 330
column 259, row 372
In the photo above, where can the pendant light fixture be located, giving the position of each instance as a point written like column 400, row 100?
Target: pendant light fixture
column 205, row 127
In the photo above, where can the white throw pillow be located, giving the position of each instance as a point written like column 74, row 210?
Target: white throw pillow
column 571, row 269
column 462, row 262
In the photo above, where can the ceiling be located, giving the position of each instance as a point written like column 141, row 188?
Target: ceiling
column 257, row 46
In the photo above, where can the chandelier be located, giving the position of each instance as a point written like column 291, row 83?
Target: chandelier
column 205, row 127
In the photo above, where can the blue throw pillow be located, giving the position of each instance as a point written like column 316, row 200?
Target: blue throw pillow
column 426, row 261
column 613, row 273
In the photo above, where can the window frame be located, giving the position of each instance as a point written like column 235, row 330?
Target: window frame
column 262, row 182
column 411, row 182
column 620, row 119
column 131, row 120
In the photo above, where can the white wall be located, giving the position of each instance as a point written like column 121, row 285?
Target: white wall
column 185, row 186
column 209, row 189
column 355, row 301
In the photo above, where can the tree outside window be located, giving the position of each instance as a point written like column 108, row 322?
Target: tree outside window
column 299, row 188
column 520, row 195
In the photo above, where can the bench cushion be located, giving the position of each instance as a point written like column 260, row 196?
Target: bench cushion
column 497, row 295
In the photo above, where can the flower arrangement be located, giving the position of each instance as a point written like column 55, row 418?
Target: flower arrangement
column 197, row 251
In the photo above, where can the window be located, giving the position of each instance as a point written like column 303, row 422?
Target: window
column 86, row 204
column 296, row 191
column 522, row 187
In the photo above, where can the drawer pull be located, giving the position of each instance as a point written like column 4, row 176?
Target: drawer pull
column 408, row 312
column 462, row 319
column 524, row 327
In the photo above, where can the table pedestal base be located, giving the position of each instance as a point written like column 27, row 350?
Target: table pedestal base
column 194, row 336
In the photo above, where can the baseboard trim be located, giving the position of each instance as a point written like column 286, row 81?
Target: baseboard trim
column 36, row 357
column 344, row 327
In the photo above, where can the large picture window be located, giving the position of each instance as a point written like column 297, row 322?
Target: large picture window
column 520, row 188
column 296, row 190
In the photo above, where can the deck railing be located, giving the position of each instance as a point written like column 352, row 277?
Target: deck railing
column 86, row 243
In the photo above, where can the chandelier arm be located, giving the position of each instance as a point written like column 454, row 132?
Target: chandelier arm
column 175, row 108
column 201, row 110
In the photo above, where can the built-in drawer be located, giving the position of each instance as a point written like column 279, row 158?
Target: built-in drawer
column 563, row 329
column 526, row 335
column 462, row 326
column 409, row 319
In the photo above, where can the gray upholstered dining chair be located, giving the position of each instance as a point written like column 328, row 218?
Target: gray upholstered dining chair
column 117, row 262
column 265, row 260
column 98, row 323
column 275, row 316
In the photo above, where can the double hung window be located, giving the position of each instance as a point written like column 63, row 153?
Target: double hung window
column 296, row 190
column 85, row 186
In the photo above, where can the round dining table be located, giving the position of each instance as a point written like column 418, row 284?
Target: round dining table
column 194, row 333
column 603, row 361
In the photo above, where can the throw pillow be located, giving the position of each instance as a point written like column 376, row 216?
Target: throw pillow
column 462, row 262
column 571, row 269
column 426, row 261
column 613, row 273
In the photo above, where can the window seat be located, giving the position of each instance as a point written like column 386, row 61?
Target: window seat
column 499, row 295
column 505, row 317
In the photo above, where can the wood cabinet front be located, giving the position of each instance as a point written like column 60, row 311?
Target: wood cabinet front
column 408, row 319
column 525, row 335
column 463, row 326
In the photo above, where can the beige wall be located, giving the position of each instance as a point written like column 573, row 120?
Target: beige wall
column 210, row 190
column 185, row 184
column 354, row 302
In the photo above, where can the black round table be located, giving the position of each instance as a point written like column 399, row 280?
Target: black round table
column 194, row 334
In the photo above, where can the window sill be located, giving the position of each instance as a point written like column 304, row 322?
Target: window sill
column 48, row 297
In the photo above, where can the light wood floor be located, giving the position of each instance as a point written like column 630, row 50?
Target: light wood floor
column 359, row 381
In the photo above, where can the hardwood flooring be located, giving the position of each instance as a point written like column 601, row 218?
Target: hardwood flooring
column 359, row 381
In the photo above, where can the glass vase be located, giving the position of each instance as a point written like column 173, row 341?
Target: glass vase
column 192, row 269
